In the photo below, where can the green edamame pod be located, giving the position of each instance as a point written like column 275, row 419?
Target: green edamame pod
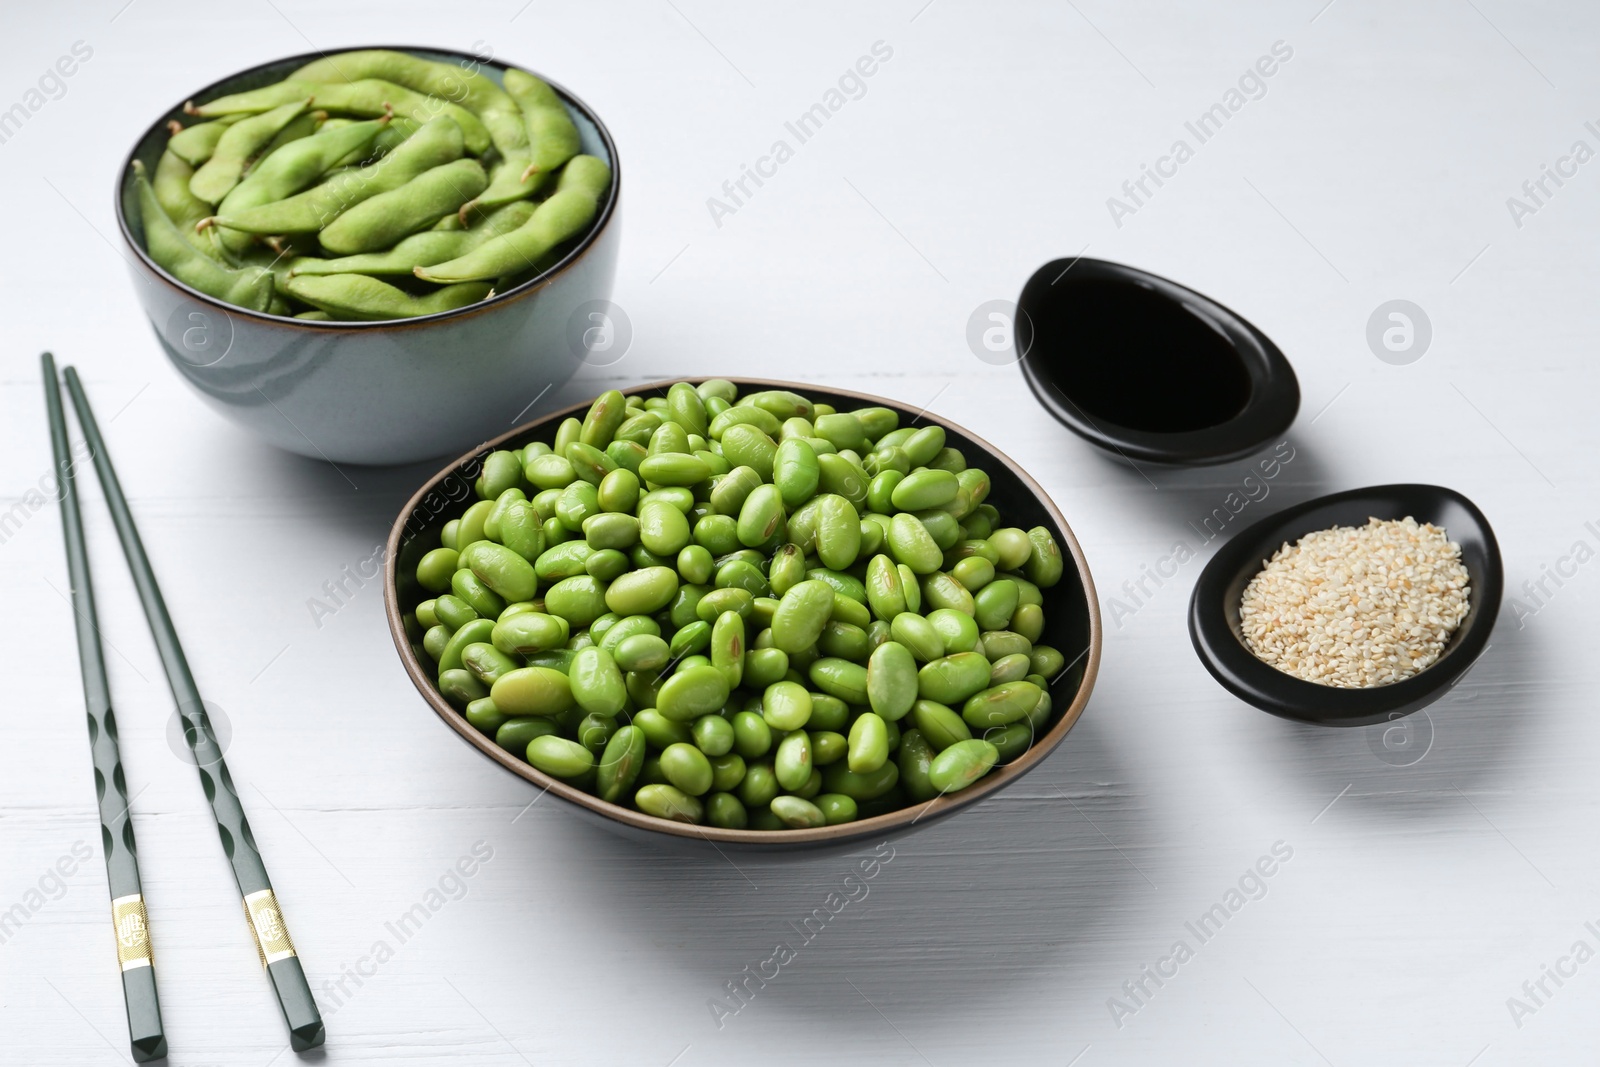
column 296, row 166
column 437, row 143
column 470, row 89
column 567, row 212
column 552, row 137
column 171, row 185
column 194, row 144
column 362, row 298
column 519, row 173
column 369, row 97
column 388, row 139
column 249, row 287
column 420, row 249
column 237, row 145
column 384, row 219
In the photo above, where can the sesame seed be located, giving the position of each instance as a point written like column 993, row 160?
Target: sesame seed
column 1354, row 607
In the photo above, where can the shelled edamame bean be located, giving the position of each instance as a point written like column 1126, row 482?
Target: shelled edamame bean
column 296, row 198
column 743, row 611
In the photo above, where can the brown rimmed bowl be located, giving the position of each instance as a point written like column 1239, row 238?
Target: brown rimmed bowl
column 394, row 391
column 1072, row 624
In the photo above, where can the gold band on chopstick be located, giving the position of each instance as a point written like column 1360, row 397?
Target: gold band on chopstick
column 266, row 924
column 133, row 932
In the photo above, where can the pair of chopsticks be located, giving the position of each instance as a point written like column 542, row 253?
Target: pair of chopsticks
column 273, row 945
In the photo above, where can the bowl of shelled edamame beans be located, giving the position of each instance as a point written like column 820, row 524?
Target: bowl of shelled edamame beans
column 370, row 256
column 746, row 613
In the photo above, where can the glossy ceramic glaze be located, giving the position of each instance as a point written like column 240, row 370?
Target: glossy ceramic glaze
column 1148, row 369
column 382, row 392
column 1214, row 607
column 1071, row 611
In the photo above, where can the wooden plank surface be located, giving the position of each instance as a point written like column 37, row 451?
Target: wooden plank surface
column 1375, row 164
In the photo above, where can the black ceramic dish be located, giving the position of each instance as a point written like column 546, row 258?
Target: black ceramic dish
column 1072, row 624
column 1149, row 369
column 1214, row 607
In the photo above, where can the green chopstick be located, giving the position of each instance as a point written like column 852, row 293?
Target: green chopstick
column 145, row 1034
column 276, row 950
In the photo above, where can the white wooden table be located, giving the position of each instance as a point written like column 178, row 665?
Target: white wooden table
column 1374, row 164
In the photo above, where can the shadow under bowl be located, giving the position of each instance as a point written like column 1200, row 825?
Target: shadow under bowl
column 1072, row 625
column 1149, row 369
column 385, row 392
column 1214, row 608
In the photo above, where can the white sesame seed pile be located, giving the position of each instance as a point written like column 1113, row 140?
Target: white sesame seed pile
column 1354, row 607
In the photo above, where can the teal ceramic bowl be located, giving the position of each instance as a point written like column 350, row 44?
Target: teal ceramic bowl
column 381, row 392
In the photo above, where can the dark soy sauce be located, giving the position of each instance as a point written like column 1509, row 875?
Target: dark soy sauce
column 1134, row 357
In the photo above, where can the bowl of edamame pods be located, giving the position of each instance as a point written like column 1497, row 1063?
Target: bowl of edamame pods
column 371, row 256
column 749, row 613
